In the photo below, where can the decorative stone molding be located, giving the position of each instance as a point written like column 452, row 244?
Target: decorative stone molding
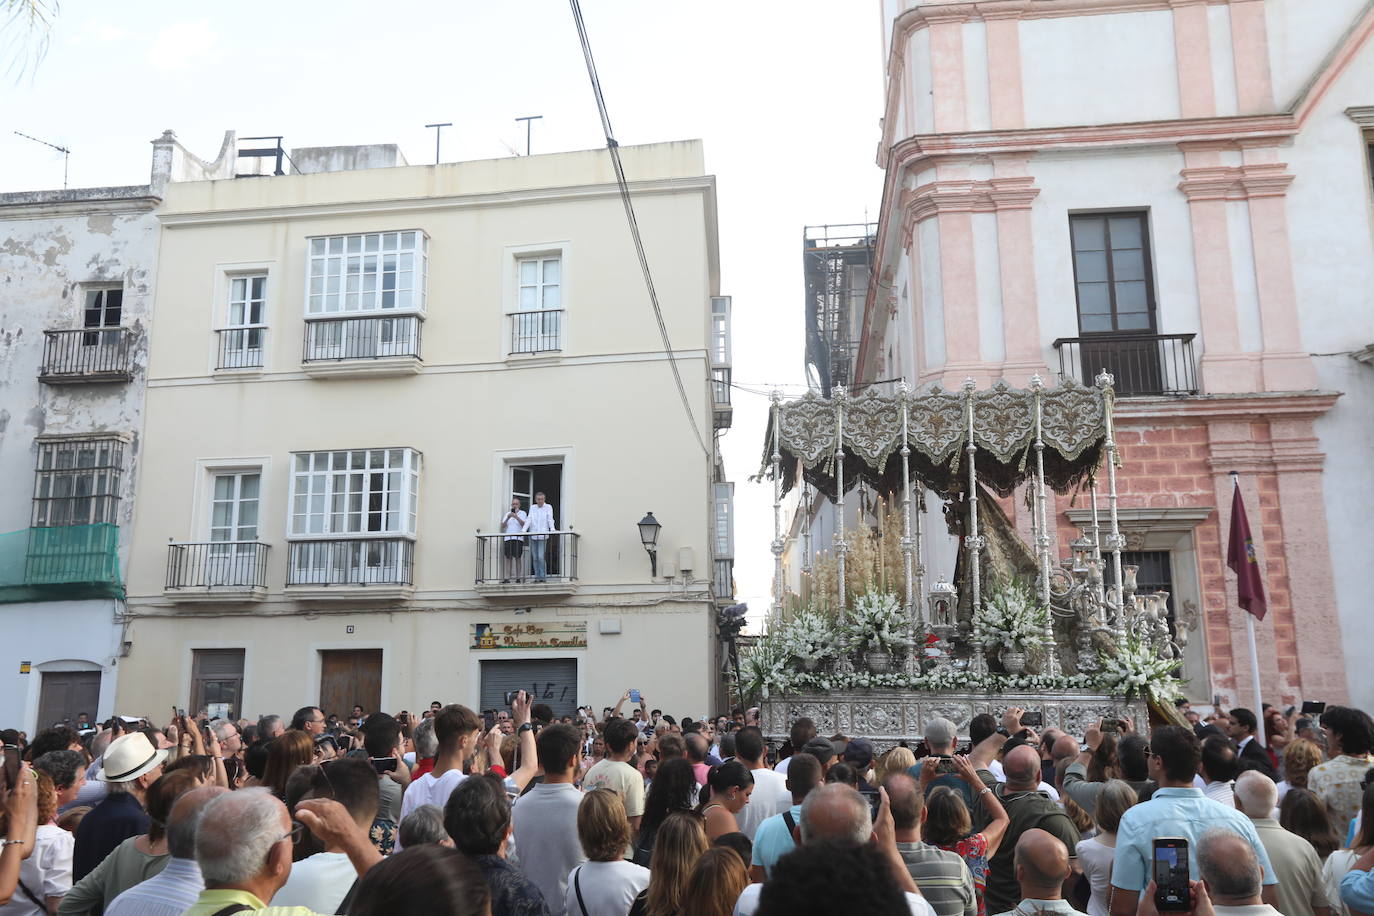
column 1362, row 115
column 968, row 196
column 1241, row 182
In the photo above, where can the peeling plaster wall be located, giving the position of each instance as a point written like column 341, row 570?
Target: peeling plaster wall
column 53, row 245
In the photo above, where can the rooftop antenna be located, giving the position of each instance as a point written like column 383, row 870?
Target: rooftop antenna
column 66, row 154
column 527, row 119
column 438, row 130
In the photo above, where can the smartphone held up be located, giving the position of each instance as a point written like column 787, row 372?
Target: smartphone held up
column 1171, row 873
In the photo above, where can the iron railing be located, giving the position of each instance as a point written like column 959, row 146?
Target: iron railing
column 94, row 355
column 1142, row 364
column 724, row 585
column 536, row 332
column 352, row 561
column 510, row 559
column 362, row 338
column 241, row 348
column 721, row 412
column 217, row 564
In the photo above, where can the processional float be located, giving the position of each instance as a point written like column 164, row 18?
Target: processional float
column 965, row 447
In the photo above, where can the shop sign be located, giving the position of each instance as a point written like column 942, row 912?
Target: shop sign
column 557, row 634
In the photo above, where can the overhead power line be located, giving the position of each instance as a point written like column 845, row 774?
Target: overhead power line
column 614, row 148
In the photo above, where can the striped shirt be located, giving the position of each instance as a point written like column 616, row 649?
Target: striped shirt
column 943, row 878
column 170, row 892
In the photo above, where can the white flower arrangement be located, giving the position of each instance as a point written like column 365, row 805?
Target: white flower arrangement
column 877, row 623
column 1012, row 617
column 809, row 635
column 765, row 667
column 1136, row 669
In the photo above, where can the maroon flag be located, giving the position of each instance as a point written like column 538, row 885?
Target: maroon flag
column 1240, row 556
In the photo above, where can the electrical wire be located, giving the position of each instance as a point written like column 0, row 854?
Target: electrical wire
column 614, row 148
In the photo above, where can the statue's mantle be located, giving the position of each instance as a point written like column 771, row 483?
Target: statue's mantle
column 886, row 716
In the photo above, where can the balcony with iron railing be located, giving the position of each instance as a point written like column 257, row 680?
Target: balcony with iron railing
column 535, row 332
column 217, row 570
column 86, row 356
column 1143, row 365
column 723, row 585
column 362, row 346
column 66, row 562
column 511, row 564
column 241, row 348
column 722, row 412
column 372, row 567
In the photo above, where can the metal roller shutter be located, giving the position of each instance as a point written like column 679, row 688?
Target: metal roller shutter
column 549, row 680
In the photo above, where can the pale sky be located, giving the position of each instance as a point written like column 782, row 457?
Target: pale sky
column 785, row 96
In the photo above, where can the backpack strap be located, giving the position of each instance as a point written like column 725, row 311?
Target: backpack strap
column 577, row 886
column 232, row 908
column 43, row 907
column 789, row 820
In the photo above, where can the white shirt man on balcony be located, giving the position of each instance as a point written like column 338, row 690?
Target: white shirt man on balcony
column 513, row 545
column 538, row 526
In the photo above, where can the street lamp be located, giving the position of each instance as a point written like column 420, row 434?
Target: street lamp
column 648, row 536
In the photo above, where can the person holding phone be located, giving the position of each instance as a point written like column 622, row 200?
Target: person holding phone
column 512, row 547
column 1177, row 809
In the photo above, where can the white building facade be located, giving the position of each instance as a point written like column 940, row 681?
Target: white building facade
column 75, row 313
column 354, row 373
column 1178, row 191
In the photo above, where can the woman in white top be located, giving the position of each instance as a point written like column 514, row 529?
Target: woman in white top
column 604, row 885
column 1340, row 861
column 1096, row 854
column 46, row 876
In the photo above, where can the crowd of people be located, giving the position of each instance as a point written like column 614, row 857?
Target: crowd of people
column 518, row 812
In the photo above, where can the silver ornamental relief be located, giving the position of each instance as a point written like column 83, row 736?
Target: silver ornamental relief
column 823, row 716
column 879, row 719
column 1003, row 421
column 958, row 713
column 807, row 428
column 873, row 427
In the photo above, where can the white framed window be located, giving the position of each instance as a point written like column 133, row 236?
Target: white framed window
column 78, row 482
column 369, row 272
column 358, row 491
column 234, row 503
column 104, row 309
column 245, row 324
column 720, row 330
column 541, row 280
column 724, row 519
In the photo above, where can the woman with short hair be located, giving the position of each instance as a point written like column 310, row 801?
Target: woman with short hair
column 605, row 883
column 285, row 753
column 1097, row 853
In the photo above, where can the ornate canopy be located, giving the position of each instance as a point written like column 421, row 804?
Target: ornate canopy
column 939, row 423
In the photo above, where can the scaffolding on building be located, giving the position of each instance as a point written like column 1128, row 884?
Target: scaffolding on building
column 837, row 261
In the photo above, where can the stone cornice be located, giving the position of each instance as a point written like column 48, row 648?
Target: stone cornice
column 1242, row 182
column 1362, row 115
column 967, row 196
column 1292, row 404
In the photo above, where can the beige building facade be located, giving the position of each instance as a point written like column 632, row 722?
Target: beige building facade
column 355, row 371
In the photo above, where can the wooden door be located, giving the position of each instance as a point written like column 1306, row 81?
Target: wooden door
column 350, row 677
column 64, row 694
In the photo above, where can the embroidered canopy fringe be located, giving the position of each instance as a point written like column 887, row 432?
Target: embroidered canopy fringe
column 1073, row 431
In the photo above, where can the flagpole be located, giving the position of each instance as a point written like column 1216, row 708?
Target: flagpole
column 1254, row 655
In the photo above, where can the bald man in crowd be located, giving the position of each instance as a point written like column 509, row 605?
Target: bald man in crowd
column 1028, row 808
column 1231, row 874
column 1042, row 868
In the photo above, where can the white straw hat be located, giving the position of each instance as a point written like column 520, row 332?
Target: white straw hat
column 129, row 757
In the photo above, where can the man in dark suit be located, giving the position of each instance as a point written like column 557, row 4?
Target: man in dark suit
column 1253, row 756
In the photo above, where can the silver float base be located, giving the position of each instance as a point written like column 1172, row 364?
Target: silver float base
column 886, row 717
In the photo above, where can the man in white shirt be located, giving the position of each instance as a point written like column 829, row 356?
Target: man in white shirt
column 458, row 730
column 177, row 887
column 803, row 730
column 538, row 526
column 513, row 544
column 771, row 795
column 320, row 882
column 1218, row 769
